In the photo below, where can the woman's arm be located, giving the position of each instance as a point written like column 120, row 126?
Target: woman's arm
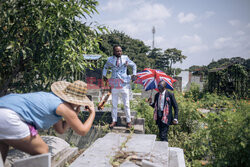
column 62, row 126
column 71, row 119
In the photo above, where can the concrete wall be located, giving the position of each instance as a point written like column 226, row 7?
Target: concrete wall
column 195, row 79
column 178, row 84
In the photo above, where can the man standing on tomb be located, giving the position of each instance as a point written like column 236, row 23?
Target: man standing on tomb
column 119, row 82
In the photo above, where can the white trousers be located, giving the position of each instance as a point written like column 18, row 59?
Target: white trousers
column 125, row 98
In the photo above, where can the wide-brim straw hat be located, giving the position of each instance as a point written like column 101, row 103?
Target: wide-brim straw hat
column 74, row 93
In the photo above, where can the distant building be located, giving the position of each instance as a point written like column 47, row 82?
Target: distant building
column 191, row 77
column 184, row 81
column 196, row 77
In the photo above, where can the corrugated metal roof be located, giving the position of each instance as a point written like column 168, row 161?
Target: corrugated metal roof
column 92, row 57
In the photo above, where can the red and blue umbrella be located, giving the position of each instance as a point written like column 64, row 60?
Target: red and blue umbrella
column 150, row 79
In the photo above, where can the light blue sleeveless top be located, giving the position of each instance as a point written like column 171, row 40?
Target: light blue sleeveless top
column 37, row 109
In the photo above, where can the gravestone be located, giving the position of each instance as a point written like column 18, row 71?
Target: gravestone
column 42, row 160
column 130, row 150
column 59, row 150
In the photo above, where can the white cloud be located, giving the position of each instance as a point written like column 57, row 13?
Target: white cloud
column 114, row 5
column 191, row 44
column 209, row 14
column 223, row 42
column 248, row 25
column 198, row 25
column 162, row 42
column 190, row 17
column 195, row 39
column 139, row 19
column 234, row 22
column 125, row 25
column 197, row 48
column 151, row 12
column 240, row 33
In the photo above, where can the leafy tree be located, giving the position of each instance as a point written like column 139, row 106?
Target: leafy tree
column 232, row 80
column 226, row 62
column 170, row 57
column 219, row 63
column 237, row 60
column 247, row 64
column 43, row 41
column 177, row 71
column 154, row 55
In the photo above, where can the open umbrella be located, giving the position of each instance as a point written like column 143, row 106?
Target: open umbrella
column 150, row 79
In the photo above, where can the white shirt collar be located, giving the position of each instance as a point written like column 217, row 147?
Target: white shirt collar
column 163, row 93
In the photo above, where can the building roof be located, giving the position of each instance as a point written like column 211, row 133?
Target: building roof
column 92, row 57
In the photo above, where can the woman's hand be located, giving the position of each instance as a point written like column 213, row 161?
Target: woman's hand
column 69, row 113
column 90, row 108
column 150, row 100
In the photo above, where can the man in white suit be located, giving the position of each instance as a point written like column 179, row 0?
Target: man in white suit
column 119, row 81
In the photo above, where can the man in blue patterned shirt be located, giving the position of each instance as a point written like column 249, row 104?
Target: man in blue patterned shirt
column 119, row 81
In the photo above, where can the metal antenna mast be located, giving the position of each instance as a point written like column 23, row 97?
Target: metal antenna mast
column 153, row 31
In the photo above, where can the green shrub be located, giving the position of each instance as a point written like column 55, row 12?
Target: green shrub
column 145, row 111
column 194, row 92
column 189, row 134
column 229, row 136
column 188, row 115
column 212, row 101
column 214, row 139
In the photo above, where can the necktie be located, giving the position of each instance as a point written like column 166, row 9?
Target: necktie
column 117, row 62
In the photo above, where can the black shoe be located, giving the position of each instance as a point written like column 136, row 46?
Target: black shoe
column 129, row 125
column 113, row 124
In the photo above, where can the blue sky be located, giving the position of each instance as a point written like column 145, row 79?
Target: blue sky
column 204, row 30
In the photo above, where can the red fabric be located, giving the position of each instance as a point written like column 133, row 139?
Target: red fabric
column 117, row 62
column 165, row 111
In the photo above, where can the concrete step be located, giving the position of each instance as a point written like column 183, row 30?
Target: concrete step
column 42, row 160
column 102, row 152
column 122, row 113
column 138, row 129
column 176, row 157
column 59, row 149
column 135, row 121
column 67, row 155
column 141, row 144
column 159, row 155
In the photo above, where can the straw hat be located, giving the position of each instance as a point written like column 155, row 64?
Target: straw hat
column 74, row 93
